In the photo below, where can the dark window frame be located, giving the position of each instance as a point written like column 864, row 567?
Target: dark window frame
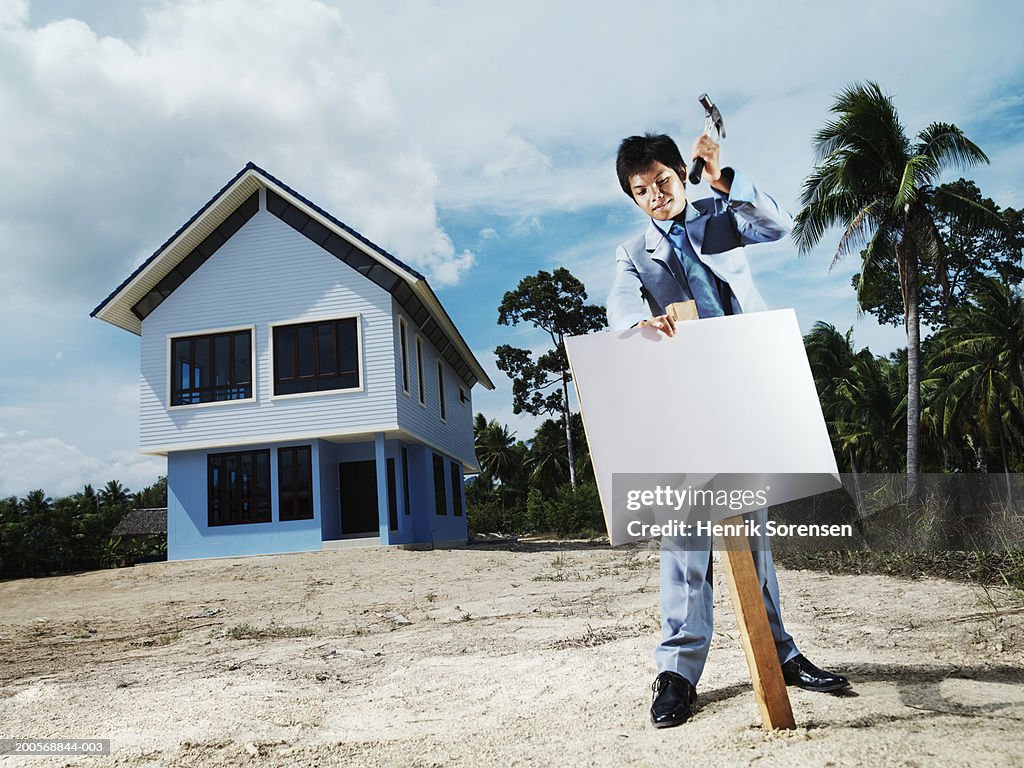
column 440, row 493
column 295, row 504
column 258, row 496
column 440, row 390
column 392, row 483
column 403, row 347
column 323, row 370
column 238, row 389
column 405, row 481
column 456, row 489
column 419, row 371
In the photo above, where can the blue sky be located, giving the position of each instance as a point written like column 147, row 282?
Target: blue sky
column 473, row 140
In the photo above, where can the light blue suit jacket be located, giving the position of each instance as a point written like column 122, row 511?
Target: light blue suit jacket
column 644, row 284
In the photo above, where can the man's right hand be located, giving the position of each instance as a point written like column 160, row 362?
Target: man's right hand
column 662, row 323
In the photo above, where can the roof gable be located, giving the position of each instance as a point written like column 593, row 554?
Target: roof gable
column 238, row 201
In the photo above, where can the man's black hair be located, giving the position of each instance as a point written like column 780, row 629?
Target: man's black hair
column 638, row 153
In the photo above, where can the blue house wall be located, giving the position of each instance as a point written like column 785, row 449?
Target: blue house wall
column 190, row 536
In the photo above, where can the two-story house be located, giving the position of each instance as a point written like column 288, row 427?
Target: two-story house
column 306, row 387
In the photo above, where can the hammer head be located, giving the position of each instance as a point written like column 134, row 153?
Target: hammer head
column 713, row 123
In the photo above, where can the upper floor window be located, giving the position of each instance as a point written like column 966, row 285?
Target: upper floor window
column 314, row 357
column 403, row 338
column 440, row 389
column 419, row 371
column 211, row 367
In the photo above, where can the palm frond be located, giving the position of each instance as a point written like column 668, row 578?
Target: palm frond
column 858, row 231
column 916, row 173
column 965, row 210
column 947, row 145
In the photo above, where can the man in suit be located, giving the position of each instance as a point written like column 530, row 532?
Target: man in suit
column 696, row 251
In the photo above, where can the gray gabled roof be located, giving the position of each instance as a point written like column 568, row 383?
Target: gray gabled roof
column 225, row 213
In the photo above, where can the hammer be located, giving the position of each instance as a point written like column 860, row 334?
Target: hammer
column 714, row 127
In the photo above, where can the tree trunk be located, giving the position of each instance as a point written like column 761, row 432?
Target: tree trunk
column 568, row 431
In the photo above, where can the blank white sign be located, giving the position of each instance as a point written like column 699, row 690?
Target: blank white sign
column 725, row 395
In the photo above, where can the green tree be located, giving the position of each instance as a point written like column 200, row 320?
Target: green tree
column 38, row 536
column 831, row 357
column 152, row 496
column 114, row 494
column 861, row 399
column 872, row 402
column 556, row 304
column 975, row 247
column 876, row 184
column 981, row 356
column 495, row 450
column 547, row 459
column 11, row 554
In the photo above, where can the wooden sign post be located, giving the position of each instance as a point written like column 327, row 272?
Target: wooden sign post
column 748, row 604
column 755, row 632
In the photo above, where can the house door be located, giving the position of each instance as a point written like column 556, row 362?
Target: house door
column 357, row 482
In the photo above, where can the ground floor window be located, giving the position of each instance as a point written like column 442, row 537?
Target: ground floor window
column 405, row 480
column 295, row 482
column 440, row 497
column 392, row 496
column 456, row 490
column 238, row 487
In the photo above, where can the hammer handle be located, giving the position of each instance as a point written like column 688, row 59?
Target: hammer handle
column 697, row 170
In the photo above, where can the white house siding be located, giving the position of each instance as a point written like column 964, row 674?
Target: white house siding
column 454, row 436
column 268, row 273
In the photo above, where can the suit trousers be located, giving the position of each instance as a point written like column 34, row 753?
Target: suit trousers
column 687, row 601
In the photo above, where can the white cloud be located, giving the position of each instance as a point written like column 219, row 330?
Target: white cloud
column 13, row 12
column 122, row 140
column 27, row 463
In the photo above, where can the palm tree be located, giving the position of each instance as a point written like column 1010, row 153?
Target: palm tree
column 860, row 399
column 114, row 493
column 831, row 357
column 495, row 450
column 870, row 402
column 982, row 354
column 548, row 461
column 876, row 184
column 86, row 499
column 36, row 503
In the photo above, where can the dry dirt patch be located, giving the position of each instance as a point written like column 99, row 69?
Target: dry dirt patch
column 538, row 655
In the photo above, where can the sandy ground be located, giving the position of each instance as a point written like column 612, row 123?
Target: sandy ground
column 540, row 656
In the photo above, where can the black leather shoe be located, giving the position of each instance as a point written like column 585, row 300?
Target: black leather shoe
column 800, row 672
column 674, row 700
